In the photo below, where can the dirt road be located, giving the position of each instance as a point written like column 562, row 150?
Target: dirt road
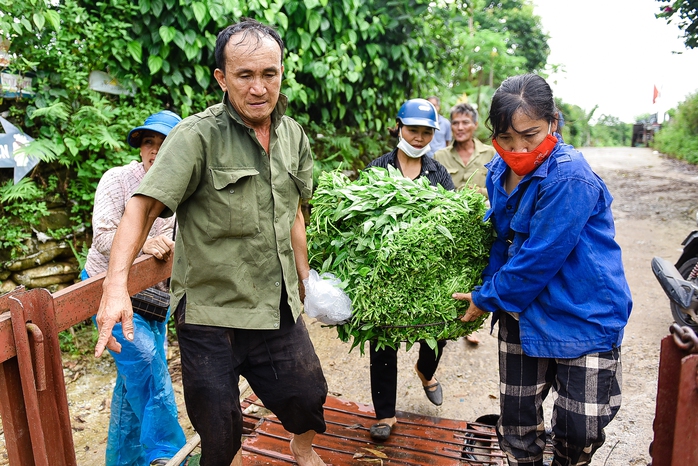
column 655, row 206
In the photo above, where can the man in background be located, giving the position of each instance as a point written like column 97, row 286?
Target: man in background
column 465, row 159
column 442, row 136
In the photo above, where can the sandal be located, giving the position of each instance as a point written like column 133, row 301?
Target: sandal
column 380, row 431
column 435, row 396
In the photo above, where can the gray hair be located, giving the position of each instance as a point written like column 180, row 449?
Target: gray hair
column 466, row 109
column 249, row 28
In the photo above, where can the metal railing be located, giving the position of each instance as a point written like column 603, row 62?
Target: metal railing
column 676, row 416
column 33, row 401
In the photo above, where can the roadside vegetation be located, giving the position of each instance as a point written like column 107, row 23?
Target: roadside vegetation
column 679, row 136
column 348, row 66
column 579, row 131
column 79, row 340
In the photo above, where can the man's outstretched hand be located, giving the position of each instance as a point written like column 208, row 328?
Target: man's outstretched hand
column 115, row 307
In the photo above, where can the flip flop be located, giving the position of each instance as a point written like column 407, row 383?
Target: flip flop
column 380, row 431
column 435, row 396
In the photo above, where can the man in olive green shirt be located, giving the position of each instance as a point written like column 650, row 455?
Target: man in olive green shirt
column 235, row 175
column 467, row 156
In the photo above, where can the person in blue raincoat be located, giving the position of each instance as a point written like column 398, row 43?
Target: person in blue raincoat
column 143, row 427
column 554, row 282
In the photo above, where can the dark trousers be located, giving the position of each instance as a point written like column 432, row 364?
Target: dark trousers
column 280, row 365
column 384, row 375
column 588, row 397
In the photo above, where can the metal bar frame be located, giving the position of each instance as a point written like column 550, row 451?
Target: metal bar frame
column 33, row 400
column 676, row 416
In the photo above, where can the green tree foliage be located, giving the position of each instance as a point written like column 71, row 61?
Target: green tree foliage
column 521, row 28
column 609, row 131
column 490, row 41
column 679, row 137
column 349, row 65
column 79, row 133
column 643, row 118
column 576, row 129
column 685, row 14
column 20, row 18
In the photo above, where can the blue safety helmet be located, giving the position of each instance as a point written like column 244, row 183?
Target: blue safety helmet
column 161, row 122
column 418, row 112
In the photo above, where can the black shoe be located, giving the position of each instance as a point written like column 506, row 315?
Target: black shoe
column 380, row 431
column 159, row 462
column 435, row 396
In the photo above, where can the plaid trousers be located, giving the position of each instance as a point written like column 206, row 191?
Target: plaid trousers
column 586, row 397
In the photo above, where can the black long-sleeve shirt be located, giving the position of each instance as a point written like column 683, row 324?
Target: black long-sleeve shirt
column 433, row 170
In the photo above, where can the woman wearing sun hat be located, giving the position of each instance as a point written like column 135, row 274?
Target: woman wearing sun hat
column 143, row 427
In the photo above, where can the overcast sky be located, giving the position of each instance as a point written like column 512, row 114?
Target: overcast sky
column 613, row 52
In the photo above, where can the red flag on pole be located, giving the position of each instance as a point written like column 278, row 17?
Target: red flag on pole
column 655, row 95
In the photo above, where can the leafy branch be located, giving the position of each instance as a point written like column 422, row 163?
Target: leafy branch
column 401, row 248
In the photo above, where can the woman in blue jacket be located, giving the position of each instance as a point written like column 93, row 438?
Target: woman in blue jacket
column 555, row 282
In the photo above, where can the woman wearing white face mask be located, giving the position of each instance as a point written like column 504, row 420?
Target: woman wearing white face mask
column 416, row 122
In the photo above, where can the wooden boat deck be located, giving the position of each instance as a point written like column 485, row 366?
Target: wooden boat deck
column 416, row 440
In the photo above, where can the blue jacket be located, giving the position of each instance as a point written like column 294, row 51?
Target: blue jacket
column 562, row 272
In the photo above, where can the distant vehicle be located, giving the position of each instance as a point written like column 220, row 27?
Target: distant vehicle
column 644, row 131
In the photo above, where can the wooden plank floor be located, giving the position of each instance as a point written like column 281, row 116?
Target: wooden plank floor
column 416, row 440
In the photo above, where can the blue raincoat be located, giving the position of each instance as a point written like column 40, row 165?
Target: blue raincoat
column 143, row 425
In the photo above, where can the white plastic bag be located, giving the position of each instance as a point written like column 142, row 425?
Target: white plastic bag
column 325, row 300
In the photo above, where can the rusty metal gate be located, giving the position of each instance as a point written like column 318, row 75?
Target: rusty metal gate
column 33, row 402
column 676, row 417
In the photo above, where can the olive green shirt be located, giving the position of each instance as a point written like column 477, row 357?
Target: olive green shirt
column 235, row 207
column 460, row 172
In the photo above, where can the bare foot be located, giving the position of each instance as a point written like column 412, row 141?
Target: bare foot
column 472, row 339
column 425, row 382
column 302, row 449
column 391, row 421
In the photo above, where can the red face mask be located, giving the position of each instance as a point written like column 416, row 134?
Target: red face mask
column 524, row 163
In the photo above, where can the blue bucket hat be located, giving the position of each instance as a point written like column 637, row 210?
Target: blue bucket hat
column 161, row 122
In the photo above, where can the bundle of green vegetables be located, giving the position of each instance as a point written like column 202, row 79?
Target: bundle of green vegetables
column 401, row 248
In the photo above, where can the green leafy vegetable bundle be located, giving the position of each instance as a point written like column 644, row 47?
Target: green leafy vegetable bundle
column 401, row 248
